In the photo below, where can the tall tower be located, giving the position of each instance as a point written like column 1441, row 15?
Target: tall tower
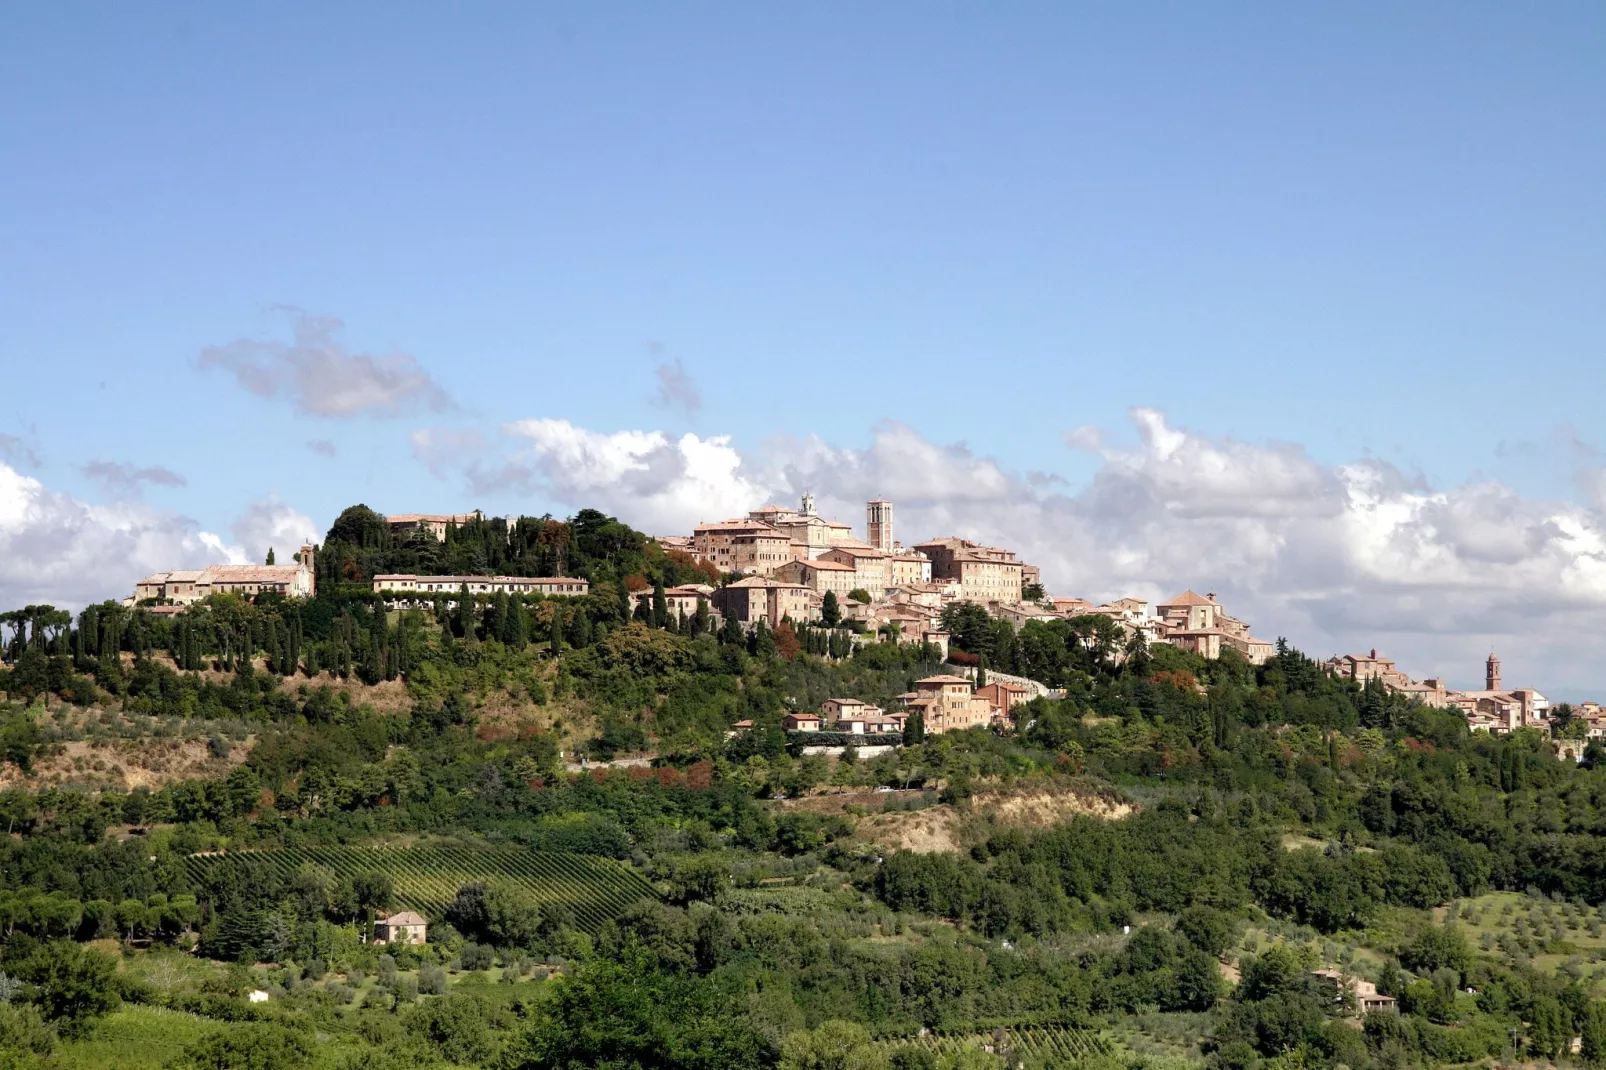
column 808, row 503
column 1491, row 674
column 878, row 524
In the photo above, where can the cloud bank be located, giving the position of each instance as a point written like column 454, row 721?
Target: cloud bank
column 1334, row 556
column 59, row 550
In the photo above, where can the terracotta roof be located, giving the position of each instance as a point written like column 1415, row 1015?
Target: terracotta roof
column 856, row 551
column 1187, row 598
column 736, row 525
column 942, row 679
column 406, row 917
column 827, row 566
column 441, row 518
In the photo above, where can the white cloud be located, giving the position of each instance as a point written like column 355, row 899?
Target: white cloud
column 271, row 523
column 321, row 377
column 59, row 550
column 1334, row 557
column 661, row 484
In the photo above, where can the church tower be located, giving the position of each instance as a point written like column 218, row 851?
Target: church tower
column 878, row 524
column 1491, row 674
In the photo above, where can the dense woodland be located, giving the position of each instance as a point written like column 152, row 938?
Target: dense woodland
column 1280, row 820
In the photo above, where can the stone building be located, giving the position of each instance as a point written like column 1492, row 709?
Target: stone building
column 186, row 586
column 984, row 573
column 434, row 523
column 948, row 703
column 820, row 576
column 430, row 586
column 757, row 598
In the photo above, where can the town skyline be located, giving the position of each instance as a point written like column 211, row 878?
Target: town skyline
column 1301, row 307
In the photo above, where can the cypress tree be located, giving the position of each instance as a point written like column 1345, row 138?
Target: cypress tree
column 556, row 646
column 914, row 730
column 699, row 619
column 660, row 606
column 496, row 614
column 763, row 641
column 517, row 633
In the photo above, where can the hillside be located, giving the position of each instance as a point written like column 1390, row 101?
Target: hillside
column 1149, row 871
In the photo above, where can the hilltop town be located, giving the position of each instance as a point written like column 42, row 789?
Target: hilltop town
column 783, row 568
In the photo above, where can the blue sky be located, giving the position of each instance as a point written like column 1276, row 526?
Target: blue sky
column 1373, row 231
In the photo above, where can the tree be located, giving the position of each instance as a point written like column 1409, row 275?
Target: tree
column 830, row 610
column 269, row 561
column 23, row 1031
column 373, row 891
column 981, row 671
column 914, row 730
column 860, row 595
column 1206, row 928
column 72, row 985
column 456, row 1026
column 660, row 605
column 555, row 646
column 835, row 1045
column 633, row 1014
column 1594, row 1030
column 515, row 630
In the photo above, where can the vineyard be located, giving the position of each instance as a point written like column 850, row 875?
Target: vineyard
column 1015, row 1043
column 427, row 878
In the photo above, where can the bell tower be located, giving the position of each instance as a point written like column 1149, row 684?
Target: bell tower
column 1491, row 674
column 878, row 524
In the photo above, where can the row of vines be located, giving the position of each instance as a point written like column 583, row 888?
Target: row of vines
column 427, row 878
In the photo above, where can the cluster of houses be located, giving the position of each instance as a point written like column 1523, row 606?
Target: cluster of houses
column 944, row 703
column 788, row 561
column 1494, row 708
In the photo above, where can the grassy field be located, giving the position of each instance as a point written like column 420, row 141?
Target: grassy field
column 1558, row 937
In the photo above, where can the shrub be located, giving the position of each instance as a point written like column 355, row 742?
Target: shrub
column 432, row 981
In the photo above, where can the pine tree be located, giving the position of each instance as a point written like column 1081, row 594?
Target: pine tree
column 830, row 610
column 270, row 556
